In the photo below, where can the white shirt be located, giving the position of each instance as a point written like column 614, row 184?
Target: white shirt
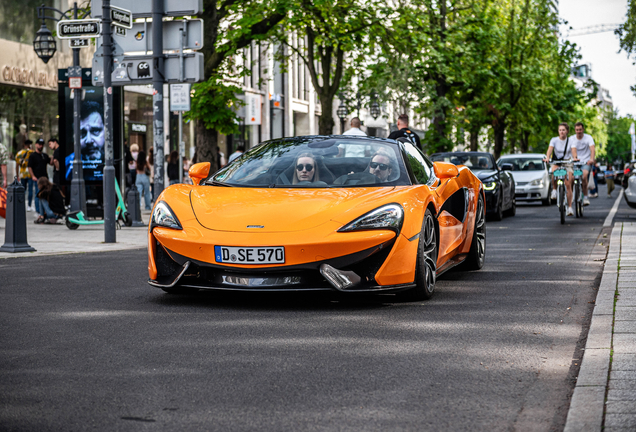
column 559, row 148
column 234, row 156
column 355, row 131
column 583, row 145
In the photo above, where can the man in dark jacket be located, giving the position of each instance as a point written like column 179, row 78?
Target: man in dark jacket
column 38, row 161
column 404, row 131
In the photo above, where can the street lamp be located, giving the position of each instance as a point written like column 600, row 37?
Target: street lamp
column 375, row 110
column 45, row 46
column 342, row 114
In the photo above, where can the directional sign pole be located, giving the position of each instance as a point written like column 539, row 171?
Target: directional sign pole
column 78, row 188
column 109, row 169
column 158, row 79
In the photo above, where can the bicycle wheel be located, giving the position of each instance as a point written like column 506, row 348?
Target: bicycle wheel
column 562, row 203
column 577, row 199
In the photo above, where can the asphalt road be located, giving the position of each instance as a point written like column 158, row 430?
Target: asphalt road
column 86, row 344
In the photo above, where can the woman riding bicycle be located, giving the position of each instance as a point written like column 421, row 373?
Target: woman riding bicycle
column 563, row 151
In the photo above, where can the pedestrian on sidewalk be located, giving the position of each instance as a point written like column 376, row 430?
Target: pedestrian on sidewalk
column 609, row 179
column 595, row 170
column 142, row 182
column 239, row 151
column 404, row 131
column 22, row 161
column 173, row 167
column 51, row 202
column 55, row 160
column 38, row 161
column 355, row 128
column 4, row 160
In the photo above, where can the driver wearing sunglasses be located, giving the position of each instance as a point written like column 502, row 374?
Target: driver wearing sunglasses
column 305, row 169
column 380, row 166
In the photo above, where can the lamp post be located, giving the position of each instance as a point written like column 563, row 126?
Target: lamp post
column 45, row 46
column 342, row 114
column 375, row 107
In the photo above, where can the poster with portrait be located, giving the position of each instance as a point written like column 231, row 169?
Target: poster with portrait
column 91, row 134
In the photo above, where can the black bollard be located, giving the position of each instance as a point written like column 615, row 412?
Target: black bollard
column 15, row 232
column 134, row 207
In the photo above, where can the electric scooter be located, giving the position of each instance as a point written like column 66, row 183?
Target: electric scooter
column 75, row 219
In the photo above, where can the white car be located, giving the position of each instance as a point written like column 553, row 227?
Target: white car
column 630, row 191
column 531, row 175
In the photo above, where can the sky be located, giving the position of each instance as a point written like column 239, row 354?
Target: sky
column 612, row 70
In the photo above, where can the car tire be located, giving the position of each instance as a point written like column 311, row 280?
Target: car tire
column 426, row 264
column 477, row 253
column 498, row 215
column 513, row 208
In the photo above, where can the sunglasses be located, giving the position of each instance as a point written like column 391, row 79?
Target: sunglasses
column 374, row 165
column 308, row 167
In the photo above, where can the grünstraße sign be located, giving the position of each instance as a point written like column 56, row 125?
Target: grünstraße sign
column 78, row 29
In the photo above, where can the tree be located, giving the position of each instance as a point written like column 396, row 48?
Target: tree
column 230, row 26
column 627, row 33
column 619, row 142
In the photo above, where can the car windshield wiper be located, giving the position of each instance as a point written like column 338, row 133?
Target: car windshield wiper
column 216, row 183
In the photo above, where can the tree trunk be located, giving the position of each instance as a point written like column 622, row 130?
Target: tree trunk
column 499, row 127
column 474, row 138
column 525, row 136
column 326, row 123
column 206, row 143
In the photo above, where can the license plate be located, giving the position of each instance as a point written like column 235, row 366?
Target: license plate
column 249, row 255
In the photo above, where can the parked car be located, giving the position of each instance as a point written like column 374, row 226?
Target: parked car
column 531, row 175
column 498, row 181
column 600, row 175
column 630, row 191
column 294, row 214
column 628, row 171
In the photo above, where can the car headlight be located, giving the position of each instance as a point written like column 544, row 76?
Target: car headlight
column 389, row 217
column 163, row 216
column 537, row 182
column 491, row 185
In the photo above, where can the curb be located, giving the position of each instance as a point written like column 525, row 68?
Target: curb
column 588, row 401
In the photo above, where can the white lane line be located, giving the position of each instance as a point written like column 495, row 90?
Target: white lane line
column 612, row 213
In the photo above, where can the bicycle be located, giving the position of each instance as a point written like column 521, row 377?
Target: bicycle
column 560, row 175
column 577, row 189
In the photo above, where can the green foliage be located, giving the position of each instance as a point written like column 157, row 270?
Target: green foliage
column 214, row 102
column 619, row 142
column 627, row 34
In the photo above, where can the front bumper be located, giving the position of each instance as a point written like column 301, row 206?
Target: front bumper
column 492, row 200
column 531, row 193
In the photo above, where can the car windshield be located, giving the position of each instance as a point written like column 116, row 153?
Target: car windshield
column 523, row 163
column 316, row 163
column 475, row 161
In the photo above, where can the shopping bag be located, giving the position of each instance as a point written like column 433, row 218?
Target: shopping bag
column 590, row 181
column 3, row 203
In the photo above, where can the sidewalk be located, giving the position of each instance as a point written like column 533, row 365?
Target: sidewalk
column 58, row 239
column 605, row 393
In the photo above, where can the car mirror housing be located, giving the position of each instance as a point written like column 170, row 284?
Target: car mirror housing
column 199, row 171
column 506, row 167
column 444, row 170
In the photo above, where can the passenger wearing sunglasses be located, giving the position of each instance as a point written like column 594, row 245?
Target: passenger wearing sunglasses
column 380, row 166
column 305, row 169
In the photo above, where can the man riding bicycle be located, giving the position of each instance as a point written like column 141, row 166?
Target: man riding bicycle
column 584, row 145
column 563, row 151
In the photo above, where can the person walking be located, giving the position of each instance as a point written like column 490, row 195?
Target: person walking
column 239, row 151
column 355, row 128
column 22, row 161
column 142, row 182
column 55, row 160
column 404, row 131
column 38, row 161
column 173, row 167
column 609, row 179
column 595, row 171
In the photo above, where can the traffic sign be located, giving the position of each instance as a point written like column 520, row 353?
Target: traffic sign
column 79, row 43
column 179, row 97
column 143, row 8
column 121, row 17
column 140, row 38
column 78, row 29
column 120, row 31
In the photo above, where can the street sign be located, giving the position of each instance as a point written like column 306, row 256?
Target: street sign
column 179, row 97
column 143, row 8
column 120, row 31
column 140, row 39
column 79, row 43
column 78, row 29
column 121, row 17
column 75, row 77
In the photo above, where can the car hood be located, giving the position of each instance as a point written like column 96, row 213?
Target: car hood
column 484, row 174
column 281, row 210
column 527, row 176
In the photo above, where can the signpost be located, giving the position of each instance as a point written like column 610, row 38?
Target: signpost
column 143, row 8
column 121, row 17
column 79, row 43
column 180, row 101
column 78, row 29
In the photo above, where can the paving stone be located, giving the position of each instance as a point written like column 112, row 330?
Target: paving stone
column 622, row 384
column 623, row 362
column 625, row 313
column 620, row 420
column 617, row 429
column 605, row 308
column 625, row 326
column 621, row 395
column 625, row 343
column 626, row 300
column 595, row 366
column 586, row 409
column 620, row 407
column 600, row 334
column 623, row 375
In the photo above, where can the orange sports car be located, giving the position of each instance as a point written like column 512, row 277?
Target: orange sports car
column 343, row 213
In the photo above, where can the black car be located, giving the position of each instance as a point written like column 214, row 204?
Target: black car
column 499, row 185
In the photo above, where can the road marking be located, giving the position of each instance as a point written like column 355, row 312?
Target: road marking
column 612, row 213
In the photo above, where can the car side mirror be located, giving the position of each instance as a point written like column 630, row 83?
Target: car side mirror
column 444, row 170
column 507, row 167
column 199, row 171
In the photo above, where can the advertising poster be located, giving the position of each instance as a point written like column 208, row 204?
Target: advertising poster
column 91, row 134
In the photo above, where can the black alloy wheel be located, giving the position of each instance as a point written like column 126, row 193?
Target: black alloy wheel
column 477, row 253
column 426, row 265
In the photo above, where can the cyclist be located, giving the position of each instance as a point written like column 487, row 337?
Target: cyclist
column 584, row 145
column 563, row 150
